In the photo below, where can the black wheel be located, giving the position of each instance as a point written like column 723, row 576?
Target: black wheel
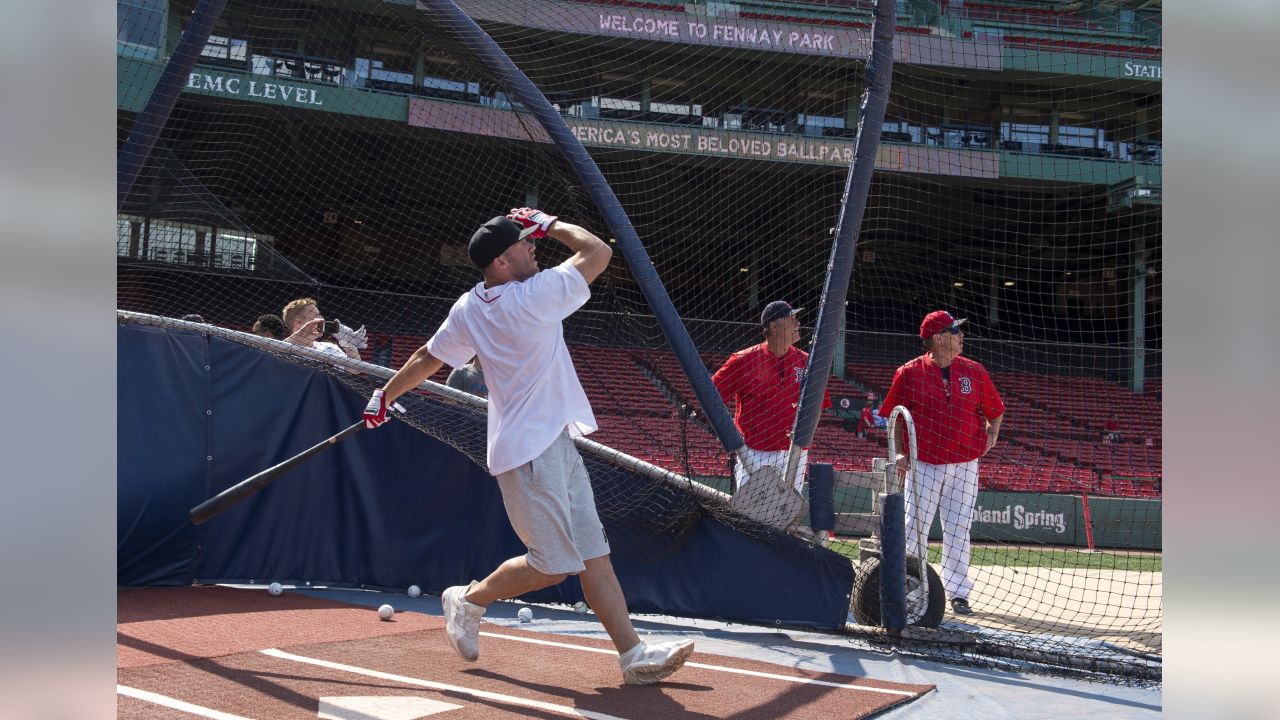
column 921, row 610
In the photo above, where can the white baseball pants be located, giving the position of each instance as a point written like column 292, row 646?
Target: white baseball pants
column 776, row 458
column 955, row 488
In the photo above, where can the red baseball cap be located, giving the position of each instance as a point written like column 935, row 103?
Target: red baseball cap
column 937, row 321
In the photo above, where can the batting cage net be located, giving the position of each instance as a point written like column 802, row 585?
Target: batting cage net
column 330, row 160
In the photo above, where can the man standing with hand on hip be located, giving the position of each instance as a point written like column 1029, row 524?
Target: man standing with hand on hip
column 957, row 414
column 513, row 321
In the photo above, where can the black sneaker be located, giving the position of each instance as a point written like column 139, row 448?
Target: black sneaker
column 960, row 606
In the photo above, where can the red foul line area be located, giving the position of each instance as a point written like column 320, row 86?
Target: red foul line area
column 191, row 652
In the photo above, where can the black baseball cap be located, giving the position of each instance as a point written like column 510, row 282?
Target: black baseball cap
column 777, row 310
column 493, row 238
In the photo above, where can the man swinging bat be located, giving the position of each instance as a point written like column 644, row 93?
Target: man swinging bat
column 513, row 321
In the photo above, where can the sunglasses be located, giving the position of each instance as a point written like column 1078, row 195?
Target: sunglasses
column 951, row 330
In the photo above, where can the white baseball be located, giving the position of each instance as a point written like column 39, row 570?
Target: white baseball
column 525, row 615
column 414, row 591
column 275, row 588
column 580, row 607
column 385, row 612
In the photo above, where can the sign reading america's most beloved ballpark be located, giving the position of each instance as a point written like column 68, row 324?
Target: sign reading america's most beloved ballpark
column 732, row 32
column 738, row 144
column 506, row 123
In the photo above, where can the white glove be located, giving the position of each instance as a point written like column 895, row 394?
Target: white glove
column 375, row 412
column 349, row 338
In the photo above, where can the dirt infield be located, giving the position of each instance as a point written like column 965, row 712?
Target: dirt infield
column 157, row 625
column 227, row 653
column 1118, row 606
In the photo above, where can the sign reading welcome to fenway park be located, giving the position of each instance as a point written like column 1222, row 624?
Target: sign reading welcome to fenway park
column 738, row 144
column 732, row 32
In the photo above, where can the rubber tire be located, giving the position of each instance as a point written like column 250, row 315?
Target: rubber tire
column 865, row 603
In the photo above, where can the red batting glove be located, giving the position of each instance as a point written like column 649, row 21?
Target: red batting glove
column 375, row 413
column 534, row 223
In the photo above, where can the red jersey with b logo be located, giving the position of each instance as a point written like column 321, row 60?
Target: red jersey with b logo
column 949, row 412
column 766, row 389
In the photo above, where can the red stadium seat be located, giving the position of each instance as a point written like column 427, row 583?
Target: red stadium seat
column 1052, row 438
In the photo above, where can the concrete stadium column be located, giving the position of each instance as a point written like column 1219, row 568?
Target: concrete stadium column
column 135, row 239
column 200, row 243
column 852, row 106
column 993, row 306
column 531, row 176
column 1138, row 313
column 174, row 32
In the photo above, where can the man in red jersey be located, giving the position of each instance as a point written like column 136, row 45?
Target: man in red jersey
column 957, row 414
column 764, row 382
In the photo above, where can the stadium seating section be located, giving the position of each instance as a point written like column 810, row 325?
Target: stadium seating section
column 1079, row 46
column 1053, row 439
column 1056, row 425
column 1029, row 15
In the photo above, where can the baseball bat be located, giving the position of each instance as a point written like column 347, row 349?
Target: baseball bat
column 243, row 489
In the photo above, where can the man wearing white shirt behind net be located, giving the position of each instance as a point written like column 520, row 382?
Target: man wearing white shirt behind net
column 303, row 319
column 513, row 321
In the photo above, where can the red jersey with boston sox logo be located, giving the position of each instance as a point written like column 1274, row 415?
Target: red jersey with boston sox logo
column 949, row 413
column 766, row 389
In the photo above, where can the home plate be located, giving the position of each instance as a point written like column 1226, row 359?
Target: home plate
column 386, row 707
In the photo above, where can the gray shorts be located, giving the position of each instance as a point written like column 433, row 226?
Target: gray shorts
column 552, row 509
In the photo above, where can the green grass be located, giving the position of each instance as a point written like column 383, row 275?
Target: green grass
column 1013, row 556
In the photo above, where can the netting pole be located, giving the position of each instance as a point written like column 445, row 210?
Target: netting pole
column 822, row 507
column 893, row 524
column 875, row 100
column 474, row 39
column 146, row 127
column 893, row 562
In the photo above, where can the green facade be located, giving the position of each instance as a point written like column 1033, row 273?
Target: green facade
column 1044, row 519
column 1100, row 66
column 135, row 79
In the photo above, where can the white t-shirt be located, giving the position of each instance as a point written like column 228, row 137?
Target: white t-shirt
column 516, row 329
column 328, row 348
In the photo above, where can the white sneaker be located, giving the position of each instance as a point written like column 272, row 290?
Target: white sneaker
column 646, row 664
column 462, row 621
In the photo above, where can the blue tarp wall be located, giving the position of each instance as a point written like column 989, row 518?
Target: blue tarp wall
column 390, row 508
